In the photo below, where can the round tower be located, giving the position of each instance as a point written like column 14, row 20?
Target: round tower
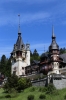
column 28, row 54
column 54, row 53
column 20, row 56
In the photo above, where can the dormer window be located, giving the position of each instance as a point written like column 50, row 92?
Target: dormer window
column 22, row 68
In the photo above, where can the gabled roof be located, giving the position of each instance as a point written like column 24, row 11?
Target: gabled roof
column 63, row 56
column 35, row 62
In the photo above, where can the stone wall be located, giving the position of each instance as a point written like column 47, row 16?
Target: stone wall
column 60, row 84
column 39, row 83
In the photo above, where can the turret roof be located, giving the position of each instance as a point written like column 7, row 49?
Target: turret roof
column 53, row 45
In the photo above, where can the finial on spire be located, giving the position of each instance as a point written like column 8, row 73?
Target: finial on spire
column 19, row 24
column 53, row 31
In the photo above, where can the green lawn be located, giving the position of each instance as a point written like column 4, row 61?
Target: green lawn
column 23, row 95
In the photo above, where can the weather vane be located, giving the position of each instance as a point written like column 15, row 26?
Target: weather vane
column 19, row 19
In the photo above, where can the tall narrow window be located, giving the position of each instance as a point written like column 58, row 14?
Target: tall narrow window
column 22, row 68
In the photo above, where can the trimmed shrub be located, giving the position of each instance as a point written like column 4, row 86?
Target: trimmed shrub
column 42, row 96
column 42, row 89
column 65, row 97
column 8, row 96
column 32, row 89
column 30, row 97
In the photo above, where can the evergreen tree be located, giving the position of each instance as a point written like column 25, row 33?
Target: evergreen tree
column 3, row 64
column 62, row 50
column 8, row 68
column 35, row 55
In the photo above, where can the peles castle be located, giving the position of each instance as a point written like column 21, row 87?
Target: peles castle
column 51, row 62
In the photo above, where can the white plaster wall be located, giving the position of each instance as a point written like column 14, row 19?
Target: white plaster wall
column 56, row 67
column 28, row 58
column 13, row 66
column 21, row 64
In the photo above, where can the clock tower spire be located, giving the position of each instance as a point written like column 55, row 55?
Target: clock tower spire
column 19, row 24
column 20, row 55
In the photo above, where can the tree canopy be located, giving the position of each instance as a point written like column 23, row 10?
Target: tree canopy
column 5, row 65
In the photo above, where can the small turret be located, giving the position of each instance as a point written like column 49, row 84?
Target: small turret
column 28, row 54
column 28, row 47
column 54, row 53
column 54, row 45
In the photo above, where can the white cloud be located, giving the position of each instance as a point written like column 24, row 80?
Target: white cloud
column 55, row 12
column 28, row 17
column 35, row 16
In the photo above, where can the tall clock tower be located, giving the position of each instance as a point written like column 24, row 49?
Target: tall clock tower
column 20, row 56
column 54, row 53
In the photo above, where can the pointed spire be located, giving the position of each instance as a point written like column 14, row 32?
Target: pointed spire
column 19, row 24
column 53, row 35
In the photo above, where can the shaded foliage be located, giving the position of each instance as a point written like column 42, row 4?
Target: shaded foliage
column 51, row 90
column 15, row 83
column 23, row 83
column 32, row 89
column 62, row 50
column 12, row 82
column 34, row 56
column 5, row 66
column 42, row 96
column 30, row 97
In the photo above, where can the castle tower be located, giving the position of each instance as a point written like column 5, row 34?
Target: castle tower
column 54, row 53
column 20, row 56
column 28, row 54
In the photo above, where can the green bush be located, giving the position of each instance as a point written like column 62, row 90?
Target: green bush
column 42, row 96
column 32, row 89
column 65, row 96
column 12, row 82
column 42, row 89
column 51, row 89
column 8, row 96
column 23, row 83
column 18, row 84
column 30, row 97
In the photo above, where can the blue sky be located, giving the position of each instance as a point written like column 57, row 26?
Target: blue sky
column 36, row 19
